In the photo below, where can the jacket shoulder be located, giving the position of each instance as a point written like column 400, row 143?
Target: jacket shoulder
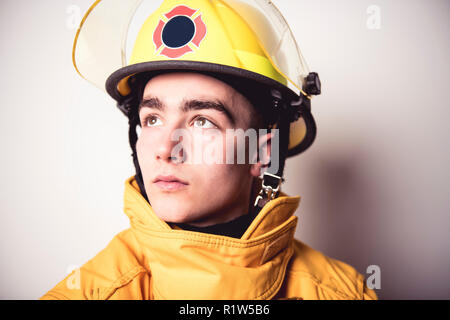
column 313, row 275
column 114, row 273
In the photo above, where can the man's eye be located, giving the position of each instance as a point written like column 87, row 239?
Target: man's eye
column 204, row 123
column 152, row 121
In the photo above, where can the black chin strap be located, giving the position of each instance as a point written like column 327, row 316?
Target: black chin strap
column 129, row 108
column 132, row 134
column 271, row 183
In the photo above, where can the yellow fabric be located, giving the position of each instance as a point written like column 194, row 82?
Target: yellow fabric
column 152, row 261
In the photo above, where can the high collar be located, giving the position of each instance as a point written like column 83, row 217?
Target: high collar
column 191, row 265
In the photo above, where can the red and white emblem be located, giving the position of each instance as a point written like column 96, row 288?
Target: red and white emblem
column 178, row 30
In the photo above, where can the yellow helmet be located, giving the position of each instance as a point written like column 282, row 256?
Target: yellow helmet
column 246, row 39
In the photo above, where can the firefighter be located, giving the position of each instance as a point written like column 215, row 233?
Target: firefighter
column 218, row 229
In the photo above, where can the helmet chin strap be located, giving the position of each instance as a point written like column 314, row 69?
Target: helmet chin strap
column 271, row 181
column 129, row 107
column 133, row 123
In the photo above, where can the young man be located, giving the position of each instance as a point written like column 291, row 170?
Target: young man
column 203, row 224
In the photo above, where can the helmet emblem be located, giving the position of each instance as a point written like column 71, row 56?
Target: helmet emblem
column 177, row 31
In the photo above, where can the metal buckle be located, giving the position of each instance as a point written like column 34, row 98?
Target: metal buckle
column 270, row 188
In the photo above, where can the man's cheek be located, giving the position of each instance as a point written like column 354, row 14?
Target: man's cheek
column 194, row 148
column 144, row 153
column 208, row 148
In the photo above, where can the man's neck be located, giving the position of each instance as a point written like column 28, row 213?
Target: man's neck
column 234, row 228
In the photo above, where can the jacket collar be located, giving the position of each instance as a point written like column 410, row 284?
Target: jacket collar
column 191, row 265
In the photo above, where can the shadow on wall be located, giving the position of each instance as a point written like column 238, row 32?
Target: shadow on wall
column 345, row 213
column 365, row 206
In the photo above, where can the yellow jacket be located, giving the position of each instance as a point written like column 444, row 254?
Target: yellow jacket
column 153, row 261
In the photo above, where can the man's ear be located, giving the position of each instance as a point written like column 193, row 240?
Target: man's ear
column 261, row 158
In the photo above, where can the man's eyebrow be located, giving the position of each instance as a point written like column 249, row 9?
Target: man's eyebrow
column 152, row 103
column 189, row 105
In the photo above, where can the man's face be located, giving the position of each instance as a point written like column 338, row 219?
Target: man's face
column 200, row 109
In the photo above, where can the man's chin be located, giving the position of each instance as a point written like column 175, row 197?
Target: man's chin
column 171, row 215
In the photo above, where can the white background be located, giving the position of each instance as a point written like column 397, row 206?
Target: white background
column 374, row 186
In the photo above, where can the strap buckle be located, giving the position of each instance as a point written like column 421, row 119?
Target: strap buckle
column 270, row 188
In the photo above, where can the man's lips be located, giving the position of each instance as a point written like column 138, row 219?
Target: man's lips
column 169, row 183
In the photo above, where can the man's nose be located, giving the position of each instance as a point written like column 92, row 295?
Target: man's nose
column 170, row 147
